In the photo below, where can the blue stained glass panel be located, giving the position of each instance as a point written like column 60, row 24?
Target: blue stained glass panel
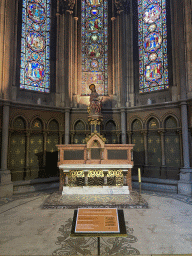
column 152, row 41
column 35, row 46
column 94, row 34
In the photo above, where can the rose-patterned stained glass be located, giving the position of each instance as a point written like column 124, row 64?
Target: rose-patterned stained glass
column 153, row 63
column 94, row 32
column 35, row 45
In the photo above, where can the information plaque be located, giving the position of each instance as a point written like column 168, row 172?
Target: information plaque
column 97, row 220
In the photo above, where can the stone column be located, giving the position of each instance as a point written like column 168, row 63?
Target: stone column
column 67, row 125
column 129, row 179
column 123, row 126
column 163, row 168
column 105, row 177
column 27, row 153
column 113, row 48
column 180, row 144
column 6, row 185
column 75, row 70
column 62, row 179
column 185, row 182
column 86, row 177
column 128, row 54
column 7, row 46
column 129, row 137
column 60, row 59
column 145, row 146
column 70, row 54
column 44, row 148
column 117, row 65
column 60, row 137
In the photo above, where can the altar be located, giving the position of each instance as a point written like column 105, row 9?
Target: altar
column 95, row 167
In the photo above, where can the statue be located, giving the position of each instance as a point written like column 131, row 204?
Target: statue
column 95, row 101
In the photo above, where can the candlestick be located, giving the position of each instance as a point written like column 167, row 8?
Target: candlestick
column 139, row 174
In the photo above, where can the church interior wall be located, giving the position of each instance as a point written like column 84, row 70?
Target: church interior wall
column 29, row 138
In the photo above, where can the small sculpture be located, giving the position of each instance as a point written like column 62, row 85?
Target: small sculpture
column 95, row 101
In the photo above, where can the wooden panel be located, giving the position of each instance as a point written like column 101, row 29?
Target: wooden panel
column 117, row 154
column 73, row 154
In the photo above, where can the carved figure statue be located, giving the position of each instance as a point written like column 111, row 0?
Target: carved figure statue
column 95, row 101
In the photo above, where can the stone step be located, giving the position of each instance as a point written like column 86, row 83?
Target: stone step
column 96, row 190
column 152, row 184
column 26, row 186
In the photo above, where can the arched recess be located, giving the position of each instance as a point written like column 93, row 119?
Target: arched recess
column 79, row 132
column 53, row 136
column 17, row 151
column 110, row 132
column 36, row 150
column 138, row 140
column 172, row 148
column 52, row 140
column 153, row 148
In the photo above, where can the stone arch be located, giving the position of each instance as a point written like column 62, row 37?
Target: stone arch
column 152, row 116
column 76, row 123
column 133, row 124
column 21, row 117
column 56, row 124
column 131, row 120
column 167, row 115
column 113, row 124
column 79, row 134
column 39, row 119
column 110, row 132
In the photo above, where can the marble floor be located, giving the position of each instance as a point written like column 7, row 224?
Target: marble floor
column 165, row 227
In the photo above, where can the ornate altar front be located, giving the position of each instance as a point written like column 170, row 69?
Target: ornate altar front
column 96, row 167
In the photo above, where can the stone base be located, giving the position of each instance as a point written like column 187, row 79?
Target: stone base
column 6, row 190
column 103, row 190
column 185, row 188
column 185, row 182
column 6, row 185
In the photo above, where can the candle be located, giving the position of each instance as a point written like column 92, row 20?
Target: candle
column 139, row 174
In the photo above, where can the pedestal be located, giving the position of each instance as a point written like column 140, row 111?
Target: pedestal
column 6, row 185
column 185, row 182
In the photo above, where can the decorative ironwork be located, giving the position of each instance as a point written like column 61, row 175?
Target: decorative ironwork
column 118, row 175
column 76, row 178
column 95, row 178
column 95, row 173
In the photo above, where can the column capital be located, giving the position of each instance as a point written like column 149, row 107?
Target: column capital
column 161, row 132
column 123, row 110
column 183, row 102
column 67, row 110
column 179, row 131
column 144, row 132
column 6, row 103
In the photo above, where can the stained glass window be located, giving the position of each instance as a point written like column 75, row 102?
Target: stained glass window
column 35, row 45
column 153, row 63
column 94, row 32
